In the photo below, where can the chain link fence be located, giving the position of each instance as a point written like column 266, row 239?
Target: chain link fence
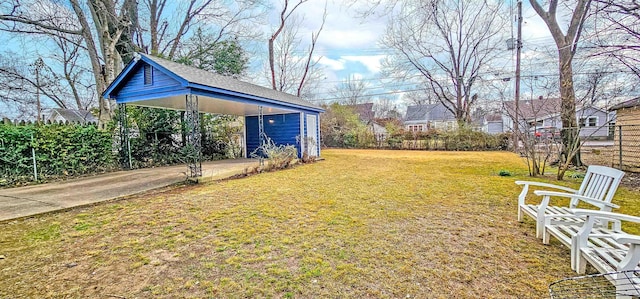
column 621, row 150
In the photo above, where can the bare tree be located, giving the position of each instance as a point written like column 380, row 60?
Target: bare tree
column 567, row 45
column 108, row 32
column 352, row 91
column 419, row 97
column 48, row 18
column 221, row 19
column 24, row 79
column 385, row 107
column 615, row 27
column 289, row 72
column 448, row 43
column 285, row 15
column 75, row 74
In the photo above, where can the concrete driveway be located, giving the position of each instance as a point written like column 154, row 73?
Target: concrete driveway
column 37, row 199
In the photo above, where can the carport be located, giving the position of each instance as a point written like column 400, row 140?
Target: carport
column 155, row 82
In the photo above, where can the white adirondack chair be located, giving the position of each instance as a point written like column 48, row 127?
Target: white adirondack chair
column 607, row 250
column 597, row 189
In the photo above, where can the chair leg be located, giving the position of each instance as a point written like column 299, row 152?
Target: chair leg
column 581, row 265
column 578, row 263
column 539, row 228
column 519, row 214
column 545, row 236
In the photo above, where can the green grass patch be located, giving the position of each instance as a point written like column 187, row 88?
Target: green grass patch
column 361, row 224
column 46, row 233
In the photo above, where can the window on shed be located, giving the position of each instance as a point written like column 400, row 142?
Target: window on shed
column 148, row 75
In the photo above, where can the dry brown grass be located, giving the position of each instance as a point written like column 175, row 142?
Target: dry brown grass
column 361, row 224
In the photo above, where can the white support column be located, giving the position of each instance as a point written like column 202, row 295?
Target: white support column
column 261, row 134
column 303, row 136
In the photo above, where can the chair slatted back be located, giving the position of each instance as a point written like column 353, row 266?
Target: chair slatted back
column 601, row 183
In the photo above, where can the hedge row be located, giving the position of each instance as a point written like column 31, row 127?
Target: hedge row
column 60, row 150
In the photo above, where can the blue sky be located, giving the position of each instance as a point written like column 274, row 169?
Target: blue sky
column 349, row 45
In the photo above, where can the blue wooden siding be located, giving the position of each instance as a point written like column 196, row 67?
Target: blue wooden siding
column 161, row 85
column 283, row 129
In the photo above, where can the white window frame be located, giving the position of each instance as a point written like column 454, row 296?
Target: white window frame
column 586, row 121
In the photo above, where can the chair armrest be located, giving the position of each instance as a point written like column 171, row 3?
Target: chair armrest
column 606, row 215
column 626, row 238
column 539, row 184
column 589, row 200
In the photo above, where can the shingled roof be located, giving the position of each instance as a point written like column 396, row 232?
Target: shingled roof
column 197, row 76
column 364, row 111
column 72, row 115
column 537, row 108
column 627, row 104
column 428, row 112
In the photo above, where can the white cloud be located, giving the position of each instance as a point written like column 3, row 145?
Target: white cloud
column 335, row 65
column 342, row 29
column 349, row 38
column 371, row 62
column 534, row 30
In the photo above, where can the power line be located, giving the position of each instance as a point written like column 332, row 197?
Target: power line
column 372, row 94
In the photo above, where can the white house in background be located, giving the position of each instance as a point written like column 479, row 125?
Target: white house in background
column 367, row 116
column 71, row 115
column 492, row 123
column 542, row 116
column 429, row 116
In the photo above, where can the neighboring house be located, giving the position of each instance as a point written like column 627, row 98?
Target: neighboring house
column 531, row 114
column 71, row 115
column 492, row 123
column 367, row 116
column 594, row 122
column 429, row 116
column 542, row 116
column 364, row 111
column 628, row 147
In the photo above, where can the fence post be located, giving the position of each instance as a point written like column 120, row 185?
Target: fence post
column 620, row 147
column 33, row 156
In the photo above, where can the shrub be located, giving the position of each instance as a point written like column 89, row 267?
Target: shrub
column 503, row 172
column 157, row 137
column 60, row 151
column 466, row 139
column 278, row 156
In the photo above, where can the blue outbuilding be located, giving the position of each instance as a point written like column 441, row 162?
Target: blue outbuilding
column 155, row 82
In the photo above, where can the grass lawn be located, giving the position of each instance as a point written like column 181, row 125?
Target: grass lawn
column 362, row 223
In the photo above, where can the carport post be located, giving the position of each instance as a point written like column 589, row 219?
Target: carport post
column 125, row 147
column 194, row 146
column 261, row 135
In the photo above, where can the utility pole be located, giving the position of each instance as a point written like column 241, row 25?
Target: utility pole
column 516, row 126
column 38, row 65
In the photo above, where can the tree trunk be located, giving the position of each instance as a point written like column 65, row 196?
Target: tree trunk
column 570, row 133
column 272, row 64
column 103, row 104
column 567, row 46
column 153, row 26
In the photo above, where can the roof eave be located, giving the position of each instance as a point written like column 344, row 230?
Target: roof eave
column 132, row 64
column 253, row 97
column 116, row 82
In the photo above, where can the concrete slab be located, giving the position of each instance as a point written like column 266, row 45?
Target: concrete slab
column 37, row 199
